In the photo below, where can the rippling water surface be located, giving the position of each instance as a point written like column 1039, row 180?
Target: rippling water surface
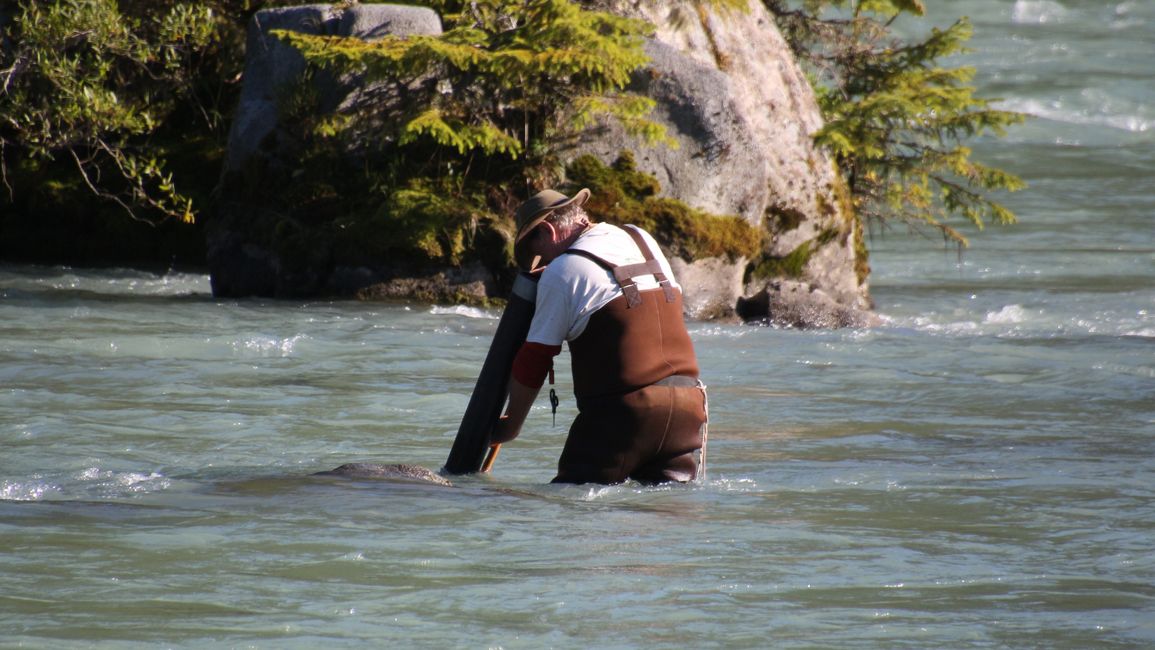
column 977, row 473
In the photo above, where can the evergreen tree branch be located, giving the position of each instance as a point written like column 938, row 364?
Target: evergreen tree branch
column 895, row 120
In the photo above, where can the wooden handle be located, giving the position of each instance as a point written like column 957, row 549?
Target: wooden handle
column 490, row 457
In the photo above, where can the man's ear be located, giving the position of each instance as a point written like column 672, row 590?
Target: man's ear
column 553, row 232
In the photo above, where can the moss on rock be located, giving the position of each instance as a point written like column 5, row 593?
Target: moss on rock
column 621, row 194
column 792, row 265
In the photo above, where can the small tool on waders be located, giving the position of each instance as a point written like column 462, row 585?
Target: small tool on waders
column 553, row 400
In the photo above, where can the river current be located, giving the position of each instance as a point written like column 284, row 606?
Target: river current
column 978, row 472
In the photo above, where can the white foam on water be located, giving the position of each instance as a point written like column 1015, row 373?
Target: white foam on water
column 462, row 310
column 1038, row 12
column 725, row 484
column 1008, row 315
column 1016, row 320
column 113, row 483
column 1101, row 111
column 33, row 490
column 109, row 282
column 262, row 345
column 169, row 284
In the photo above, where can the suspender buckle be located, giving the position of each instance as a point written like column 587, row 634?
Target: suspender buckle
column 633, row 296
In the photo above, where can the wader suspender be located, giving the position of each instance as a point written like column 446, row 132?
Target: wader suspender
column 625, row 274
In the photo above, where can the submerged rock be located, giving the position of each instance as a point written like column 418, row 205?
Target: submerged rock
column 397, row 472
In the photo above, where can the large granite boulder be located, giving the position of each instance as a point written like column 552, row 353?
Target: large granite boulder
column 731, row 93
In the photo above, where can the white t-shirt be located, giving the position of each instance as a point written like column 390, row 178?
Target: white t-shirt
column 573, row 287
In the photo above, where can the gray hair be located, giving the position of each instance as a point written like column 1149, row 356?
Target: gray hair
column 569, row 217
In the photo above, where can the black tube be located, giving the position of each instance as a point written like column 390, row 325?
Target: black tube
column 492, row 388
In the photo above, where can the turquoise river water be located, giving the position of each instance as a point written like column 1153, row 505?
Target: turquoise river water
column 978, row 472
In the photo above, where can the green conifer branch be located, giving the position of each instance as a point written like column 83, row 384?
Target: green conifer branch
column 506, row 78
column 895, row 119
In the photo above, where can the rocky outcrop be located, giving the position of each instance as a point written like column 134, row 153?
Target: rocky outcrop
column 731, row 94
column 787, row 303
column 272, row 66
column 727, row 89
column 259, row 140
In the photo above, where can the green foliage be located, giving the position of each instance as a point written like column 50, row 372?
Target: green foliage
column 83, row 80
column 792, row 265
column 511, row 80
column 425, row 220
column 620, row 194
column 127, row 100
column 447, row 133
column 896, row 121
column 366, row 203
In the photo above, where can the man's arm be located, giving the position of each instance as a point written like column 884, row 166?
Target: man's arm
column 521, row 399
column 530, row 367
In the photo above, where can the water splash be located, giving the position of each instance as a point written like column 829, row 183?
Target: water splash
column 464, row 311
column 121, row 282
column 1008, row 315
column 1100, row 111
column 31, row 490
column 264, row 346
column 111, row 484
column 1038, row 12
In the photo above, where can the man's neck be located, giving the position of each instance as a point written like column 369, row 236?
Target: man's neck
column 578, row 230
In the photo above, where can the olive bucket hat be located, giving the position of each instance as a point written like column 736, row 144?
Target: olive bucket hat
column 538, row 207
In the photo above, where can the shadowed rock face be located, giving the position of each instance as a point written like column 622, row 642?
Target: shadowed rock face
column 240, row 263
column 398, row 472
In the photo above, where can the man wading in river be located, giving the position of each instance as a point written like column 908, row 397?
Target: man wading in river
column 610, row 293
